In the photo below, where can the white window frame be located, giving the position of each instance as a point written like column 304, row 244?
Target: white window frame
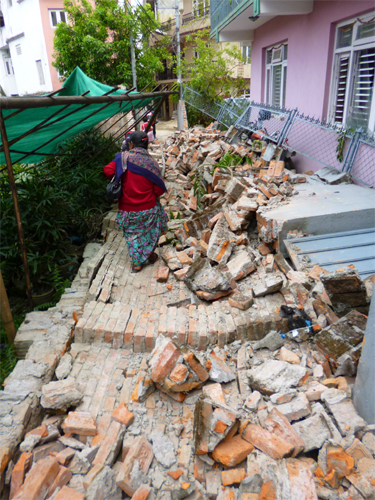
column 349, row 52
column 246, row 53
column 57, row 13
column 9, row 70
column 279, row 58
column 40, row 71
column 201, row 8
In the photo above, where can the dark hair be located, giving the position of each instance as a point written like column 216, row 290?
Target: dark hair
column 139, row 139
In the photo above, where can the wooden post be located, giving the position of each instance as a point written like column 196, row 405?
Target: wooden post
column 12, row 184
column 6, row 314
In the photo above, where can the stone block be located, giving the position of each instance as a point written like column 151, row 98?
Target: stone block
column 220, row 245
column 271, row 341
column 79, row 422
column 241, row 301
column 339, row 460
column 313, row 431
column 270, row 285
column 279, row 425
column 39, row 480
column 135, row 467
column 296, row 409
column 60, row 395
column 232, row 451
column 276, row 376
column 289, row 356
column 219, row 370
column 234, row 222
column 234, row 189
column 239, row 266
column 346, row 417
column 207, row 281
column 212, row 423
column 293, row 480
column 267, row 442
column 103, row 486
column 357, row 450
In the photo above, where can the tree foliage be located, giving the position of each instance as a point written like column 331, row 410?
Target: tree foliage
column 97, row 39
column 211, row 73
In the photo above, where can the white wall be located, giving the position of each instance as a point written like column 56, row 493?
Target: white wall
column 23, row 17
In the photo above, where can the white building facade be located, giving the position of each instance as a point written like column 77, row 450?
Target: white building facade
column 26, row 46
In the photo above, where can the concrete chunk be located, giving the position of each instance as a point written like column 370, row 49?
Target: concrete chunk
column 275, row 376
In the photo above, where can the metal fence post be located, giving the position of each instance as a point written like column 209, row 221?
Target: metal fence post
column 287, row 126
column 352, row 151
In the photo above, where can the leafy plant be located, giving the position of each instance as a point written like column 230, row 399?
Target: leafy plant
column 341, row 136
column 8, row 357
column 228, row 162
column 212, row 73
column 199, row 188
column 97, row 39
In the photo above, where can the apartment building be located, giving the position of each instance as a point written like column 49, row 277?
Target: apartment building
column 26, row 46
column 194, row 15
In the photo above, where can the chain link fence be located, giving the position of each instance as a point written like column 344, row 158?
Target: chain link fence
column 315, row 139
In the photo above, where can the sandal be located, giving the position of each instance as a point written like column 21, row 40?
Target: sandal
column 153, row 257
column 136, row 269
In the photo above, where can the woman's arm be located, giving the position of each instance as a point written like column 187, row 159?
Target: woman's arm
column 109, row 170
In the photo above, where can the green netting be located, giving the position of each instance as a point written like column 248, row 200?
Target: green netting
column 64, row 123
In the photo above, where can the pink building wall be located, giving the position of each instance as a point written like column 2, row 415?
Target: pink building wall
column 49, row 33
column 310, row 48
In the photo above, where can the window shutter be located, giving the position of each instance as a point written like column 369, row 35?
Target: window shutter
column 342, row 83
column 361, row 95
column 276, row 101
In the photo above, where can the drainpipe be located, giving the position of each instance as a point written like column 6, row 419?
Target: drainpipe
column 364, row 390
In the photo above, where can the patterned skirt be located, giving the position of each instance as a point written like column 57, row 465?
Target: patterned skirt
column 142, row 231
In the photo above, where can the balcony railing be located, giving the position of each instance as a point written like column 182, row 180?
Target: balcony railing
column 196, row 14
column 221, row 10
column 167, row 74
column 186, row 18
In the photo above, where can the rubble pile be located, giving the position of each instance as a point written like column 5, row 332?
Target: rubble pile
column 218, row 243
column 256, row 421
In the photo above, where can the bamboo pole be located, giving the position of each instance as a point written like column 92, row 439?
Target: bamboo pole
column 6, row 313
column 154, row 114
column 45, row 102
column 12, row 184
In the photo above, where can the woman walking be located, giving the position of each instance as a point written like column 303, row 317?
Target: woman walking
column 141, row 216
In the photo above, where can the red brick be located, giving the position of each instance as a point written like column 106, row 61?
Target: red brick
column 18, row 475
column 65, row 455
column 279, row 425
column 140, row 455
column 175, row 473
column 69, row 494
column 62, row 478
column 39, row 480
column 79, row 422
column 232, row 451
column 123, row 415
column 163, row 273
column 178, row 374
column 339, row 460
column 267, row 442
column 196, row 366
column 142, row 492
column 233, row 476
column 268, row 491
column 163, row 361
column 90, row 476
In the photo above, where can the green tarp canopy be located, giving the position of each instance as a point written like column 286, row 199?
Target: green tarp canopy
column 60, row 122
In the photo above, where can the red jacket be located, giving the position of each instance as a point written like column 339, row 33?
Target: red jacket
column 138, row 193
